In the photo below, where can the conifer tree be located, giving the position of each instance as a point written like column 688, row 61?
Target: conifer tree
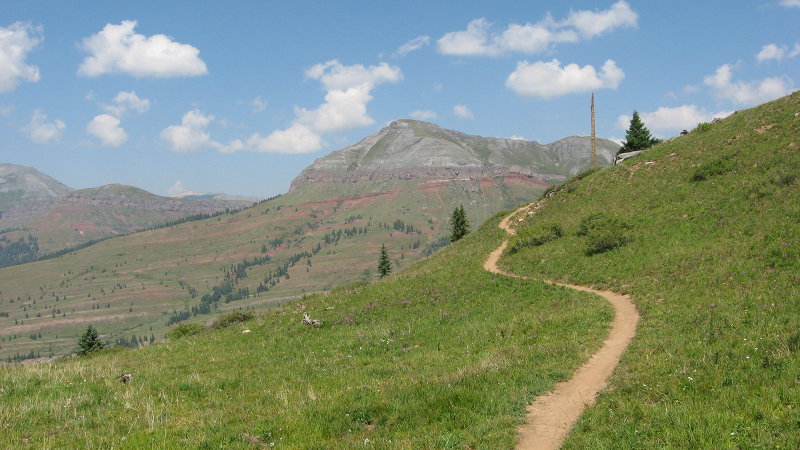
column 459, row 224
column 89, row 341
column 384, row 264
column 637, row 137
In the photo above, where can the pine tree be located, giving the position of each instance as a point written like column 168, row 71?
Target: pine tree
column 459, row 224
column 89, row 341
column 637, row 137
column 384, row 264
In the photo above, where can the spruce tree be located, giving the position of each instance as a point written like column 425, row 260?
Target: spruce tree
column 459, row 224
column 637, row 137
column 384, row 264
column 89, row 341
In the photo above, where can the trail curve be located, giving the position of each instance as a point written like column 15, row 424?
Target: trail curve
column 551, row 417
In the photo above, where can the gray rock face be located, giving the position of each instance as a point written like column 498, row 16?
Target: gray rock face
column 412, row 149
column 22, row 186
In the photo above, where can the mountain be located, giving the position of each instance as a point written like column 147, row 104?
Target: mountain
column 218, row 196
column 701, row 231
column 26, row 188
column 412, row 149
column 319, row 235
column 41, row 216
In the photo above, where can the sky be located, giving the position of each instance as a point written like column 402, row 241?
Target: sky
column 239, row 96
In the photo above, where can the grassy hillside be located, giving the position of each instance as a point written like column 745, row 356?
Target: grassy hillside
column 710, row 251
column 313, row 239
column 443, row 354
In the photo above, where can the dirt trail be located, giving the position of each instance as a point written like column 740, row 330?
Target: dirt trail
column 551, row 417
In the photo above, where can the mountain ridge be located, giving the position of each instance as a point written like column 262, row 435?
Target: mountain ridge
column 413, row 149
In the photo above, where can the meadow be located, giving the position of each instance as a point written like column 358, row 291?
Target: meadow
column 702, row 231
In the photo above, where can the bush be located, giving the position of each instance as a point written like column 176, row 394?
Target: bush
column 535, row 235
column 718, row 166
column 230, row 319
column 702, row 127
column 186, row 329
column 603, row 233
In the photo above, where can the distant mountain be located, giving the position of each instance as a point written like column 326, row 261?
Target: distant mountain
column 218, row 196
column 396, row 188
column 26, row 187
column 40, row 215
column 412, row 149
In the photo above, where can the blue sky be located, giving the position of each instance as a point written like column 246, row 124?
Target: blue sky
column 239, row 96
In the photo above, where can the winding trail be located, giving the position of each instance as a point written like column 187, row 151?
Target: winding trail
column 551, row 416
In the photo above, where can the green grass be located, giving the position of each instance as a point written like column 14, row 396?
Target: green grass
column 132, row 285
column 441, row 355
column 712, row 259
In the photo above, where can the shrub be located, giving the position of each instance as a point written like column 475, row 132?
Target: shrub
column 227, row 320
column 603, row 233
column 186, row 329
column 535, row 235
column 718, row 166
column 702, row 127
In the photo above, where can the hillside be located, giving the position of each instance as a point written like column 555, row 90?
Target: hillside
column 26, row 188
column 318, row 236
column 41, row 216
column 710, row 252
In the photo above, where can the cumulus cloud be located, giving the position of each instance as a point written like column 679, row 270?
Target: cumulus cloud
column 127, row 101
column 548, row 79
column 191, row 134
column 413, row 45
column 776, row 52
column 423, row 114
column 517, row 137
column 479, row 40
column 42, row 131
column 118, row 49
column 463, row 112
column 675, row 118
column 790, row 3
column 106, row 128
column 178, row 190
column 747, row 93
column 348, row 92
column 298, row 138
column 259, row 104
column 16, row 41
column 349, row 89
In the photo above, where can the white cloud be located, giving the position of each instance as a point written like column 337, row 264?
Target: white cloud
column 259, row 104
column 191, row 134
column 479, row 40
column 40, row 131
column 298, row 138
column 776, row 52
column 348, row 93
column 548, row 79
column 591, row 24
column 178, row 190
column 790, row 3
column 106, row 128
column 747, row 93
column 423, row 114
column 517, row 138
column 16, row 41
column 127, row 101
column 463, row 112
column 117, row 49
column 413, row 45
column 675, row 118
